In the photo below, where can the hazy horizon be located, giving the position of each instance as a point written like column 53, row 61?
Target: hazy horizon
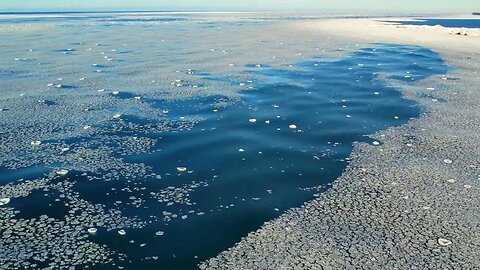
column 329, row 6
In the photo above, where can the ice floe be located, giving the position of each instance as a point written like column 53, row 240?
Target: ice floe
column 4, row 201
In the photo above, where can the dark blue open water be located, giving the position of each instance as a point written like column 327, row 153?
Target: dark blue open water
column 466, row 23
column 332, row 104
column 255, row 171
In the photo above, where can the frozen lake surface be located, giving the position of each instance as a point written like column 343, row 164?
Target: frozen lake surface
column 159, row 140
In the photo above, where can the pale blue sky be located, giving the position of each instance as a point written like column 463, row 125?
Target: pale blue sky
column 360, row 6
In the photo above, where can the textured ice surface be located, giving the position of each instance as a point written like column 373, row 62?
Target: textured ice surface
column 143, row 124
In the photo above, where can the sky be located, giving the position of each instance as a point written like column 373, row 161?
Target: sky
column 347, row 6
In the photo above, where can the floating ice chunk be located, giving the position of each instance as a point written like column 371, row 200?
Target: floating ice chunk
column 292, row 126
column 36, row 143
column 181, row 169
column 122, row 232
column 117, row 116
column 92, row 230
column 444, row 242
column 62, row 172
column 4, row 201
column 252, row 120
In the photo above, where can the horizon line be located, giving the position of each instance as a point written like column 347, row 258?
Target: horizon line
column 14, row 12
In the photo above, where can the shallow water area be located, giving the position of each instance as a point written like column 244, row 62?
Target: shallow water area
column 173, row 146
